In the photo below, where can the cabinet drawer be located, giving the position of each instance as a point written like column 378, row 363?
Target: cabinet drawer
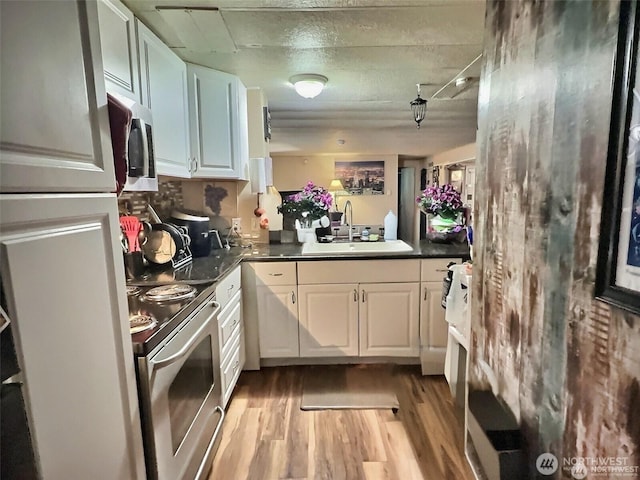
column 435, row 269
column 275, row 273
column 228, row 286
column 227, row 325
column 230, row 369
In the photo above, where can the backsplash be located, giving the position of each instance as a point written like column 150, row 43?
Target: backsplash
column 168, row 197
column 218, row 199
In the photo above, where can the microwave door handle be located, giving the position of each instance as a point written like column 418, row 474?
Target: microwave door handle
column 145, row 149
column 183, row 351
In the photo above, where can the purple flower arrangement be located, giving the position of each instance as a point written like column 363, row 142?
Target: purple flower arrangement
column 313, row 199
column 442, row 200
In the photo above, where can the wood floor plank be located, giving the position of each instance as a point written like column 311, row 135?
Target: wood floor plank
column 377, row 471
column 400, row 451
column 267, row 437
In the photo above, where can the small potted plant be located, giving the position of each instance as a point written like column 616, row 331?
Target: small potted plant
column 311, row 203
column 443, row 207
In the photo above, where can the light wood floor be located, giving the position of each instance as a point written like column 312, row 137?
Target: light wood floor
column 266, row 435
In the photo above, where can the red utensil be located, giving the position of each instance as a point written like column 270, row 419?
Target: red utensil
column 131, row 226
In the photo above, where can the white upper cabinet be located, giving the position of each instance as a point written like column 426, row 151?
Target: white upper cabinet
column 164, row 92
column 54, row 134
column 119, row 49
column 218, row 123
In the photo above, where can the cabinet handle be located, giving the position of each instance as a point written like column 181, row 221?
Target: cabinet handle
column 293, row 297
column 355, row 295
column 275, row 274
column 235, row 367
column 363, row 295
column 425, row 293
column 442, row 269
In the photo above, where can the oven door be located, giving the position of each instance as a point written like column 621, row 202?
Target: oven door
column 184, row 417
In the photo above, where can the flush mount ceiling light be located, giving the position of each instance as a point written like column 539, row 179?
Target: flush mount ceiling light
column 419, row 107
column 308, row 85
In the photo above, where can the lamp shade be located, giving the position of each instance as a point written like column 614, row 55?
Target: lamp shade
column 335, row 186
column 308, row 85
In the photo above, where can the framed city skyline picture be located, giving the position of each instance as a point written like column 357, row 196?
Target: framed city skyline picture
column 618, row 270
column 361, row 177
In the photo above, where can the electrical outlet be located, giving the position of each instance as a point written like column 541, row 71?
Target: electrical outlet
column 236, row 224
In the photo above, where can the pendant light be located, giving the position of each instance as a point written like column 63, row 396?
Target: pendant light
column 419, row 107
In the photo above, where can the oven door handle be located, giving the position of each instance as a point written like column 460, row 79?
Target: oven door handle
column 205, row 465
column 183, row 351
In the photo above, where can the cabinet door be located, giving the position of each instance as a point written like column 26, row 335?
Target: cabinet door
column 328, row 320
column 164, row 92
column 119, row 49
column 54, row 134
column 433, row 329
column 212, row 106
column 389, row 319
column 63, row 276
column 278, row 321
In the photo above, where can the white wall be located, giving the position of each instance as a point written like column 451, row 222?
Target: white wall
column 292, row 173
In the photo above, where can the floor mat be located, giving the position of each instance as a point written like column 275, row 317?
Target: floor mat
column 338, row 387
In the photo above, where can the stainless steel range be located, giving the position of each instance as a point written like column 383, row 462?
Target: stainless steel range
column 175, row 339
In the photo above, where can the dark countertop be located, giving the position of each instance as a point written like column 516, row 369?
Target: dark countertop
column 216, row 265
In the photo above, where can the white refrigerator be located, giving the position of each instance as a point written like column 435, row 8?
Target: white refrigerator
column 61, row 270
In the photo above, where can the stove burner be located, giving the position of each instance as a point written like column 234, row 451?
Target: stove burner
column 170, row 293
column 139, row 323
column 132, row 290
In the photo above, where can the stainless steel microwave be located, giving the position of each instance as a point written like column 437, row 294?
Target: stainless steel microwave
column 140, row 166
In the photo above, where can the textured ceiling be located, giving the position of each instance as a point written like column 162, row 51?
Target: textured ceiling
column 373, row 52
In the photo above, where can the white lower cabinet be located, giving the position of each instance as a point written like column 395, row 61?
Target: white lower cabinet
column 433, row 326
column 328, row 320
column 389, row 319
column 350, row 308
column 368, row 319
column 278, row 321
column 276, row 308
column 230, row 332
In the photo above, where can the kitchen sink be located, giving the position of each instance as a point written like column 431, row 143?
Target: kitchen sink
column 389, row 246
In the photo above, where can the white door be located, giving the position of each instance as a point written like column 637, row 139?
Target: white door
column 212, row 101
column 389, row 319
column 119, row 49
column 54, row 134
column 278, row 321
column 433, row 329
column 328, row 320
column 164, row 92
column 65, row 286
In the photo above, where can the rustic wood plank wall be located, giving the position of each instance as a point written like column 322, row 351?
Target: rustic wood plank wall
column 568, row 366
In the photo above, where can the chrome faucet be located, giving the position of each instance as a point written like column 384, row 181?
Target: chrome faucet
column 349, row 218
